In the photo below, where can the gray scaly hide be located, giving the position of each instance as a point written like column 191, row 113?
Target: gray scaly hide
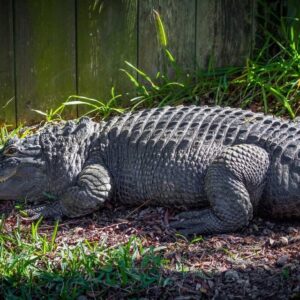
column 224, row 164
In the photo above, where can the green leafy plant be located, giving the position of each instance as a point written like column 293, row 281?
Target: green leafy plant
column 285, row 273
column 181, row 87
column 275, row 79
column 51, row 115
column 269, row 83
column 97, row 107
column 161, row 89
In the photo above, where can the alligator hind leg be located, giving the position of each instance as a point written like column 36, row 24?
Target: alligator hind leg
column 234, row 184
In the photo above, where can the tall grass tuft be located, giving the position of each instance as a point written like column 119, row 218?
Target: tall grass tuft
column 97, row 107
column 275, row 80
column 268, row 83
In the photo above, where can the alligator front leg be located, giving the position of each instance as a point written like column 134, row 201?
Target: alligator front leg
column 93, row 188
column 234, row 184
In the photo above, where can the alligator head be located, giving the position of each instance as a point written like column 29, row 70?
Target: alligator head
column 22, row 169
column 46, row 162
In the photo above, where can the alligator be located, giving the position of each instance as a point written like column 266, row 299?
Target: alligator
column 223, row 165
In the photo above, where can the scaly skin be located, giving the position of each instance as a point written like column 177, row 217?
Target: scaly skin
column 225, row 164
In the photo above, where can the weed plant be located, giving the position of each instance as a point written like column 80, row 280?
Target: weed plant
column 95, row 107
column 275, row 80
column 105, row 109
column 266, row 83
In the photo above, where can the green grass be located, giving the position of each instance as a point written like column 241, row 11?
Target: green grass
column 103, row 108
column 275, row 80
column 34, row 266
column 95, row 107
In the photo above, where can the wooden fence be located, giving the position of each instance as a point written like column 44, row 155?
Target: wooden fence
column 51, row 49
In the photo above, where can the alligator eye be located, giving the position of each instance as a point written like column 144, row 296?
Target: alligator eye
column 10, row 151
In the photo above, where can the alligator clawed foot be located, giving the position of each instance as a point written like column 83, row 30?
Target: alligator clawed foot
column 30, row 215
column 46, row 211
column 192, row 222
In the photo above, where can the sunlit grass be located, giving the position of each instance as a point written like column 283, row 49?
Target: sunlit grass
column 269, row 83
column 35, row 265
column 275, row 79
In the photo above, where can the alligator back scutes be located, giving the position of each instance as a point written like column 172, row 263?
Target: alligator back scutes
column 192, row 126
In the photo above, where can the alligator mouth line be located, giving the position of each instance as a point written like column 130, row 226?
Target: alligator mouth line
column 5, row 178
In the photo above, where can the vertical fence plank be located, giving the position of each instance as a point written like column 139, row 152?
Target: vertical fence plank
column 106, row 38
column 225, row 32
column 179, row 22
column 293, row 13
column 293, row 9
column 45, row 55
column 7, row 93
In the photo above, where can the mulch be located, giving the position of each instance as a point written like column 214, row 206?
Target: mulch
column 261, row 261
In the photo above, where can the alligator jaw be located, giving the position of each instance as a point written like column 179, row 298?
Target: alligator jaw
column 3, row 179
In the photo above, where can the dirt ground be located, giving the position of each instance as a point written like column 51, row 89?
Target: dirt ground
column 260, row 262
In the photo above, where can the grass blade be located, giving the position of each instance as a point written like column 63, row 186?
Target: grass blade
column 161, row 29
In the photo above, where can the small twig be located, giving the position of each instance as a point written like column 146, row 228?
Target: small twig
column 46, row 226
column 136, row 209
column 190, row 291
column 114, row 225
